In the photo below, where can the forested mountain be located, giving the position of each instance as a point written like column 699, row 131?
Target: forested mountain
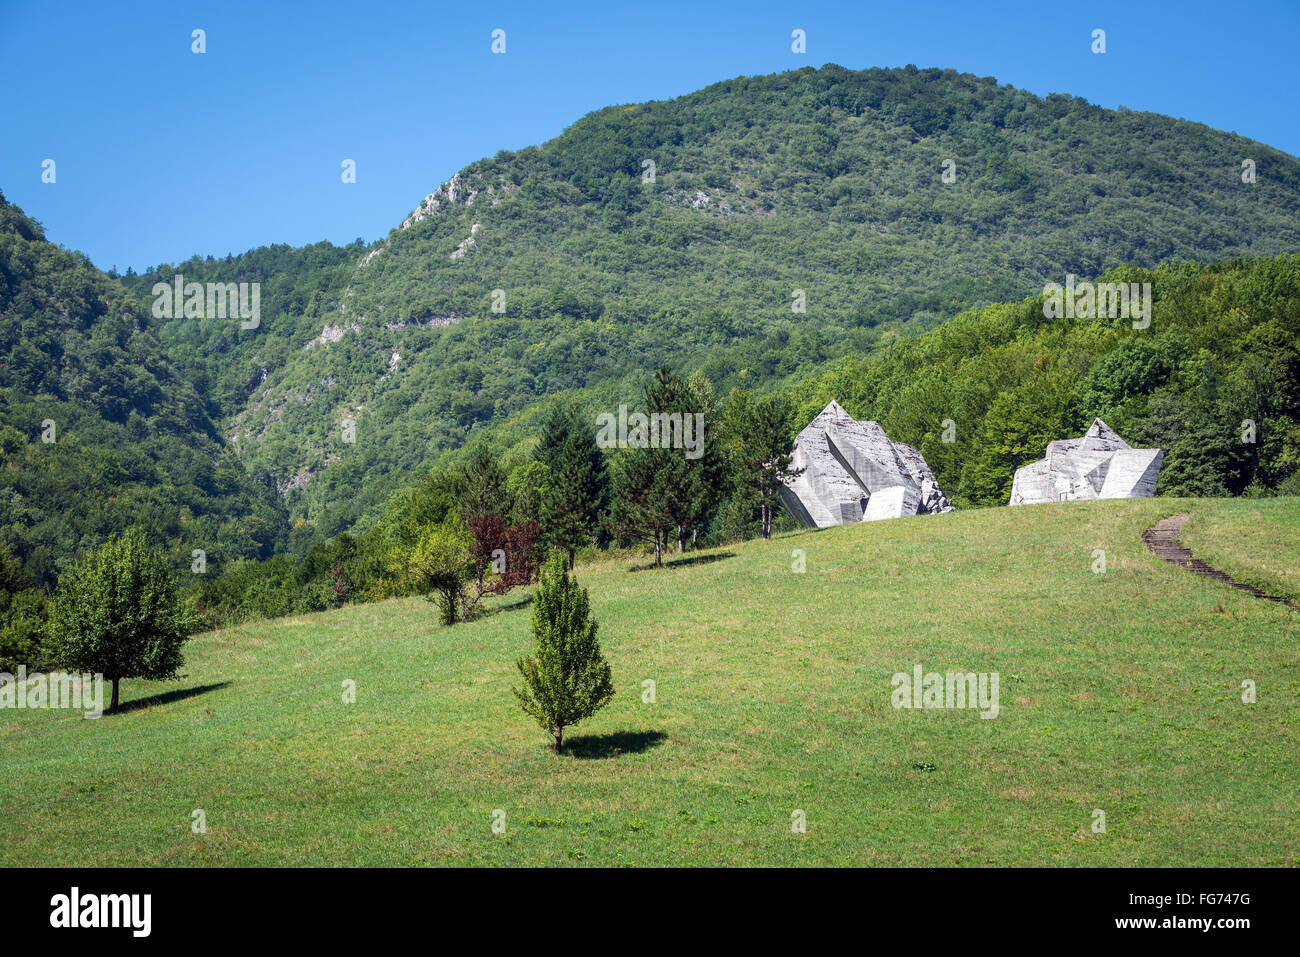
column 828, row 181
column 99, row 430
column 822, row 186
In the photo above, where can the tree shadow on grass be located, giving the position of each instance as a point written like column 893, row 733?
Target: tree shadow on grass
column 683, row 562
column 167, row 697
column 517, row 603
column 589, row 747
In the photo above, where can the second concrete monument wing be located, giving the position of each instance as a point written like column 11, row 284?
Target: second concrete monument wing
column 1098, row 464
column 853, row 472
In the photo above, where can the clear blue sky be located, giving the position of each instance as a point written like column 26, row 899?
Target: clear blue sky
column 162, row 153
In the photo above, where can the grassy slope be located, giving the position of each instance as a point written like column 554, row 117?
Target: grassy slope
column 1120, row 691
column 1254, row 540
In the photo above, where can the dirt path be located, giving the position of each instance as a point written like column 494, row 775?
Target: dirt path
column 1162, row 538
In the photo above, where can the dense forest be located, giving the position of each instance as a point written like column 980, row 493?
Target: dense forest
column 100, row 429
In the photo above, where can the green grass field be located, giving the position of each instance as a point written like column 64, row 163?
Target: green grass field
column 1119, row 691
column 1256, row 541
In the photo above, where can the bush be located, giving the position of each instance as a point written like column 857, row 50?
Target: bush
column 440, row 565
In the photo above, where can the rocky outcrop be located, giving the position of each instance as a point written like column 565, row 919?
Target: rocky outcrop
column 331, row 334
column 466, row 244
column 853, row 472
column 1098, row 464
column 433, row 322
column 455, row 190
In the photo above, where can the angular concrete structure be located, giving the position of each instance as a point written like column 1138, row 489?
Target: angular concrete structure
column 1098, row 464
column 853, row 472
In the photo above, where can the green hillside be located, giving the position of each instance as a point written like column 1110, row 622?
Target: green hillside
column 1119, row 692
column 98, row 426
column 827, row 181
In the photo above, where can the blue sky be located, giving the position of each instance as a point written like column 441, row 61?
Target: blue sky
column 162, row 153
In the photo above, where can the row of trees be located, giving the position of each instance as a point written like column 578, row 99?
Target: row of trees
column 483, row 527
column 744, row 457
column 570, row 494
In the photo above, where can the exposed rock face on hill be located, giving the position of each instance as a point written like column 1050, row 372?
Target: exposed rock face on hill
column 853, row 472
column 448, row 194
column 1099, row 464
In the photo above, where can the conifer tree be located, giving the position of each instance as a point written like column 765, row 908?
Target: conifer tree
column 656, row 490
column 711, row 466
column 567, row 678
column 577, row 484
column 484, row 485
column 766, row 454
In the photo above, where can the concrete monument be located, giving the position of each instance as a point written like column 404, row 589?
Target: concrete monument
column 1098, row 464
column 853, row 472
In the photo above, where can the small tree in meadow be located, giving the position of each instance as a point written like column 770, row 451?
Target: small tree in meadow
column 567, row 678
column 440, row 565
column 116, row 613
column 504, row 557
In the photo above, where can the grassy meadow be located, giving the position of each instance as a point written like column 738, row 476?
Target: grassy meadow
column 1119, row 691
column 1256, row 541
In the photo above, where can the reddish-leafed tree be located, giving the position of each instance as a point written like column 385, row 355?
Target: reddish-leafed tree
column 505, row 556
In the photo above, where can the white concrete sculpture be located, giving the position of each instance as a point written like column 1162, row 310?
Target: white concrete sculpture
column 1098, row 464
column 852, row 472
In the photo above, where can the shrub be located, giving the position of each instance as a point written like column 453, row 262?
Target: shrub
column 440, row 565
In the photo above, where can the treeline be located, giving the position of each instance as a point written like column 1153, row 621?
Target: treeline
column 484, row 525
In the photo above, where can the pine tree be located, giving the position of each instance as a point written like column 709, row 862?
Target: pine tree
column 761, row 448
column 567, row 679
column 643, row 498
column 555, row 432
column 577, row 484
column 711, row 467
column 656, row 490
column 484, row 485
